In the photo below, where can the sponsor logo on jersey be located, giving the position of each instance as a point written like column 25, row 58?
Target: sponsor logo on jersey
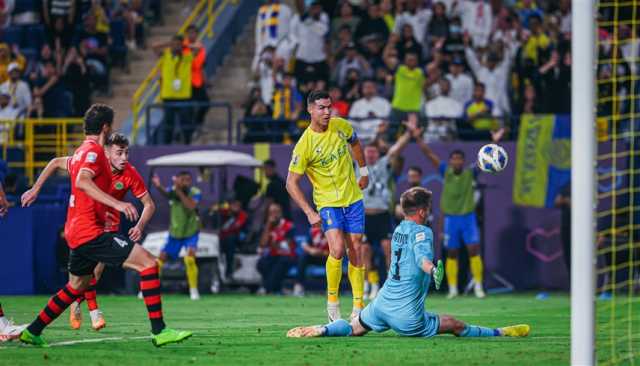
column 91, row 157
column 421, row 237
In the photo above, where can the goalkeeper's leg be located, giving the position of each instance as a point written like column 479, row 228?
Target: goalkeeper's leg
column 337, row 328
column 451, row 325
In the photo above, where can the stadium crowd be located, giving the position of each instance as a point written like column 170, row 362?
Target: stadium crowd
column 56, row 55
column 463, row 66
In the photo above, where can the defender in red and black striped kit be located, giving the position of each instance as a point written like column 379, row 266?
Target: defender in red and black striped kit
column 90, row 175
column 124, row 178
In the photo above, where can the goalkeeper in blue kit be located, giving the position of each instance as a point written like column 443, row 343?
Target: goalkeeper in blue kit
column 400, row 303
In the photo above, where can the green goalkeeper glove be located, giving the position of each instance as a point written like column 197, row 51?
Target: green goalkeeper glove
column 438, row 274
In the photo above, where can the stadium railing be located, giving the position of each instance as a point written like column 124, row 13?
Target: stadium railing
column 28, row 144
column 191, row 124
column 268, row 129
column 219, row 22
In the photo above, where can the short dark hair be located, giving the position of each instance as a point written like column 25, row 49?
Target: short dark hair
column 457, row 152
column 416, row 169
column 414, row 199
column 317, row 95
column 117, row 139
column 183, row 172
column 479, row 84
column 270, row 163
column 97, row 116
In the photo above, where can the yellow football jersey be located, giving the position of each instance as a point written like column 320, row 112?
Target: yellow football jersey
column 326, row 160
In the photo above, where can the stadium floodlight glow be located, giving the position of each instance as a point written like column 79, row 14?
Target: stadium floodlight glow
column 583, row 155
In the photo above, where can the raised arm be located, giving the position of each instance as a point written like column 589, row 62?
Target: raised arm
column 187, row 201
column 30, row 196
column 149, row 208
column 84, row 182
column 155, row 180
column 426, row 150
column 293, row 187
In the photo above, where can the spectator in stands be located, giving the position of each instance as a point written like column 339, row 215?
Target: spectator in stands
column 368, row 112
column 255, row 107
column 438, row 28
column 351, row 89
column 93, row 47
column 8, row 56
column 277, row 248
column 526, row 10
column 175, row 87
column 234, row 222
column 407, row 96
column 6, row 8
column 408, row 42
column 352, row 60
column 76, row 77
column 17, row 89
column 51, row 92
column 344, row 38
column 287, row 100
column 339, row 106
column 442, row 113
column 530, row 103
column 477, row 21
column 556, row 83
column 276, row 190
column 26, row 13
column 59, row 19
column 8, row 112
column 314, row 252
column 100, row 14
column 372, row 24
column 416, row 15
column 345, row 18
column 273, row 24
column 478, row 112
column 461, row 83
column 198, row 75
column 36, row 69
column 311, row 29
column 414, row 176
column 538, row 43
column 564, row 14
column 494, row 74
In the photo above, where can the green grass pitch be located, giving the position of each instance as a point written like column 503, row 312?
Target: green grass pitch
column 250, row 330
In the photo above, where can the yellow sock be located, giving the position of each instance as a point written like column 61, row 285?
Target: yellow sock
column 451, row 267
column 373, row 277
column 334, row 275
column 160, row 264
column 192, row 271
column 477, row 268
column 356, row 277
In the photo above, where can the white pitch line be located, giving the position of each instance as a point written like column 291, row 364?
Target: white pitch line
column 96, row 340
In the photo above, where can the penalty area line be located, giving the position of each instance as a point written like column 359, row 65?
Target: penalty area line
column 96, row 340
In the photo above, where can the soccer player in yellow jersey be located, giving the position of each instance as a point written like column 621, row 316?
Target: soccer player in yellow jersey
column 322, row 153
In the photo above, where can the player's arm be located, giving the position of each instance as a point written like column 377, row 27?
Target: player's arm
column 358, row 154
column 84, row 182
column 187, row 201
column 30, row 196
column 293, row 187
column 423, row 252
column 155, row 180
column 412, row 129
column 148, row 209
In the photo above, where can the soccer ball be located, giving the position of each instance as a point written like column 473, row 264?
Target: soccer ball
column 492, row 158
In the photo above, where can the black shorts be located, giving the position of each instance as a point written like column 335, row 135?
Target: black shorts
column 377, row 227
column 109, row 248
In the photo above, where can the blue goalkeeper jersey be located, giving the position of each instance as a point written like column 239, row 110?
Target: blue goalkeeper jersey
column 407, row 285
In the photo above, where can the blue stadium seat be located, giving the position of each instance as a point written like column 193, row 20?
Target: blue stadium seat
column 11, row 35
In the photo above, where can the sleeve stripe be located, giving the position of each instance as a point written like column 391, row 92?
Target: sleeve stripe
column 353, row 138
column 142, row 194
column 89, row 170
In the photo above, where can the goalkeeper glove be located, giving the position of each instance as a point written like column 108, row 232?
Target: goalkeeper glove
column 437, row 272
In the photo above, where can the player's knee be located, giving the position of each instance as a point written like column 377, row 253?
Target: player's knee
column 452, row 253
column 79, row 283
column 337, row 252
column 473, row 249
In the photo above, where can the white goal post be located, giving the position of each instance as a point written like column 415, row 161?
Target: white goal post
column 583, row 194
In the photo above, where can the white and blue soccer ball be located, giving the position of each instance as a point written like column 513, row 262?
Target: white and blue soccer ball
column 492, row 158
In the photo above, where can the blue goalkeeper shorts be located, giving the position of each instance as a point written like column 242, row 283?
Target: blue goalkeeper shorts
column 173, row 246
column 348, row 219
column 380, row 318
column 460, row 229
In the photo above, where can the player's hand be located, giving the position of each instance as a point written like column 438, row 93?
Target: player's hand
column 438, row 274
column 128, row 210
column 135, row 234
column 363, row 182
column 156, row 181
column 29, row 197
column 314, row 218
